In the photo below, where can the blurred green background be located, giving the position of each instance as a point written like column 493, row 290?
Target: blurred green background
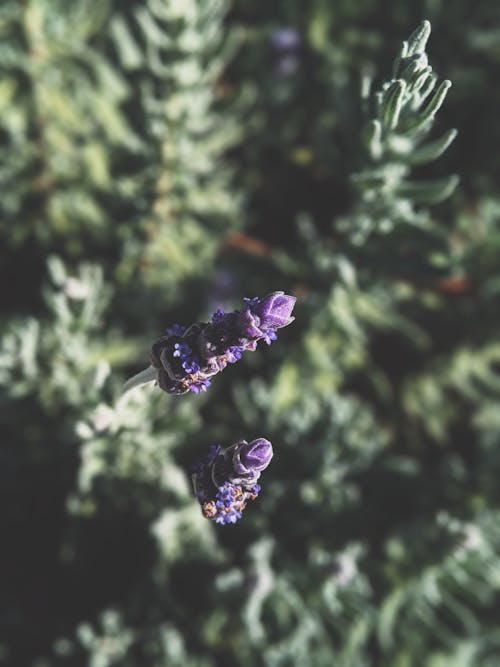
column 164, row 158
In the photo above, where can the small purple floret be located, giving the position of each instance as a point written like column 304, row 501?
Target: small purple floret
column 199, row 385
column 234, row 353
column 175, row 330
column 269, row 336
column 218, row 316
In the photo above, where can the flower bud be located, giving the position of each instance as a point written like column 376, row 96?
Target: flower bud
column 252, row 456
column 274, row 310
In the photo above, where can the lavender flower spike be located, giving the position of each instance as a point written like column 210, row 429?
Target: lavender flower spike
column 226, row 479
column 187, row 357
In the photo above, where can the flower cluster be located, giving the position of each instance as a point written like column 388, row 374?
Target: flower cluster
column 227, row 478
column 187, row 357
column 185, row 360
column 286, row 44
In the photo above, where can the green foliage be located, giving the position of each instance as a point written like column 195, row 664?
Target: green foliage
column 110, row 135
column 175, row 53
column 135, row 136
column 406, row 108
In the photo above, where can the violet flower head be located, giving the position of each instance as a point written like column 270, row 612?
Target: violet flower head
column 226, row 479
column 187, row 357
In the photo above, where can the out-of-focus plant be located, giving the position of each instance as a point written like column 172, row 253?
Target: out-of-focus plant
column 110, row 136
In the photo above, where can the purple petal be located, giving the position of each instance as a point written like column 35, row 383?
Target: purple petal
column 249, row 324
column 250, row 457
column 274, row 310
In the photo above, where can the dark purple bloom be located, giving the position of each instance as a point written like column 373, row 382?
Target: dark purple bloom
column 187, row 357
column 226, row 479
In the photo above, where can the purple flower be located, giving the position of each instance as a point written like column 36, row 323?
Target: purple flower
column 252, row 456
column 274, row 310
column 263, row 316
column 226, row 479
column 285, row 39
column 187, row 357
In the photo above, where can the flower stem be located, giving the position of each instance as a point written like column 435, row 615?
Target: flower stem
column 149, row 374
